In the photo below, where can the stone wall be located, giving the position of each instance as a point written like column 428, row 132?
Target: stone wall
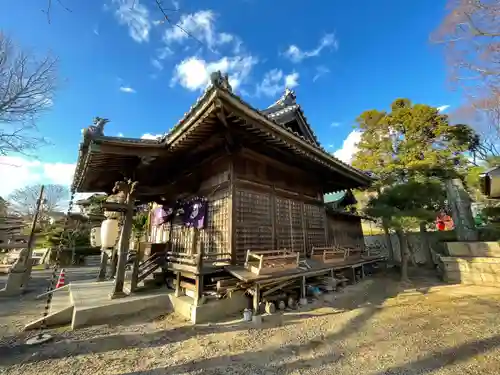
column 418, row 254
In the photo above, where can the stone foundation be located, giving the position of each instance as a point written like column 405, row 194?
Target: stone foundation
column 472, row 263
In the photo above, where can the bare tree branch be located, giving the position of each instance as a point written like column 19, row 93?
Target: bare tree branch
column 27, row 87
column 470, row 34
column 48, row 10
column 24, row 201
column 166, row 18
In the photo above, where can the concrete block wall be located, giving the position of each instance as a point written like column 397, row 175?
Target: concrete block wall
column 472, row 263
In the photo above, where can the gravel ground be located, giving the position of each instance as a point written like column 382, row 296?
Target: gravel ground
column 375, row 327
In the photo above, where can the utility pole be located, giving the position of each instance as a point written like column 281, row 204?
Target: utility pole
column 31, row 239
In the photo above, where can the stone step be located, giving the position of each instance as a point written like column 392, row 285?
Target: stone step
column 472, row 265
column 473, row 249
column 473, row 278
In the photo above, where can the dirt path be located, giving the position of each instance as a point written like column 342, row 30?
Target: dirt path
column 372, row 328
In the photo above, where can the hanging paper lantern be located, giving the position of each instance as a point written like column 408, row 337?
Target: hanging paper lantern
column 95, row 237
column 109, row 233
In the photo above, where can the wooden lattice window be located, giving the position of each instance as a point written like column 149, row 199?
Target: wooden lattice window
column 315, row 224
column 253, row 222
column 289, row 229
column 215, row 236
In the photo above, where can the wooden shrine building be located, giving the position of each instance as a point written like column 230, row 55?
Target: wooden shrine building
column 262, row 174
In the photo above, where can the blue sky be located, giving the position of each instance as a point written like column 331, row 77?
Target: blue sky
column 122, row 63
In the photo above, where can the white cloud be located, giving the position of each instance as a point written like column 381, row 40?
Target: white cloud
column 349, row 147
column 335, row 124
column 292, row 80
column 275, row 81
column 127, row 89
column 296, row 55
column 199, row 26
column 151, row 136
column 443, row 108
column 20, row 172
column 135, row 16
column 320, row 71
column 193, row 73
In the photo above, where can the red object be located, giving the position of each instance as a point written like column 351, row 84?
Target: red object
column 60, row 281
column 440, row 225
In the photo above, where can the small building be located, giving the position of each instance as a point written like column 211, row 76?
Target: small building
column 262, row 174
column 344, row 222
column 226, row 180
column 490, row 183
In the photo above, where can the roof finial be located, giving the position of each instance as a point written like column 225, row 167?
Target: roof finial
column 97, row 129
column 220, row 80
column 288, row 97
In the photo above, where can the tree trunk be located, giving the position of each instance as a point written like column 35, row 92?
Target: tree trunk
column 459, row 202
column 388, row 241
column 387, row 235
column 426, row 247
column 411, row 253
column 404, row 254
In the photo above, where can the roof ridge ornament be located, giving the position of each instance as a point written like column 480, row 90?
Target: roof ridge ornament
column 287, row 99
column 220, row 80
column 97, row 129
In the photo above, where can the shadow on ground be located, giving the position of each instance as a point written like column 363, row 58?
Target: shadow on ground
column 370, row 299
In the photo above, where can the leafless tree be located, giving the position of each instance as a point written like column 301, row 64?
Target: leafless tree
column 471, row 36
column 27, row 86
column 470, row 33
column 483, row 115
column 24, row 201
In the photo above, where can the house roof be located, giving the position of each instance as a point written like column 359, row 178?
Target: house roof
column 286, row 110
column 339, row 198
column 103, row 155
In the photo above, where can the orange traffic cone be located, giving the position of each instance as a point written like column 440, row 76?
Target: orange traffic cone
column 60, row 281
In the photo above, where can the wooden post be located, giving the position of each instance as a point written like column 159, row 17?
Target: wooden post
column 31, row 238
column 103, row 266
column 303, row 288
column 199, row 278
column 178, row 291
column 135, row 270
column 128, row 187
column 233, row 202
column 114, row 262
column 256, row 300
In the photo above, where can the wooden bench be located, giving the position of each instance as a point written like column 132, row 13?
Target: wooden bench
column 329, row 254
column 263, row 262
column 353, row 253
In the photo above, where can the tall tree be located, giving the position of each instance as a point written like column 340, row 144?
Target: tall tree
column 27, row 86
column 411, row 143
column 24, row 201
